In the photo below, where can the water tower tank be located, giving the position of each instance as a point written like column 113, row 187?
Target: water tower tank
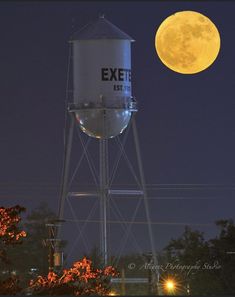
column 102, row 79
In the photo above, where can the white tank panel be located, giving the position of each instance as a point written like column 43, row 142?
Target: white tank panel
column 101, row 68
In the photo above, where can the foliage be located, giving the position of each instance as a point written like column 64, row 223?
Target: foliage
column 10, row 234
column 95, row 256
column 10, row 286
column 9, row 229
column 34, row 252
column 203, row 267
column 220, row 248
column 35, row 246
column 81, row 279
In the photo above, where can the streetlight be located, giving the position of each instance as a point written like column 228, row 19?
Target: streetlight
column 169, row 286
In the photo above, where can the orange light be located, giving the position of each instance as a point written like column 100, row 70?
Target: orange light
column 170, row 285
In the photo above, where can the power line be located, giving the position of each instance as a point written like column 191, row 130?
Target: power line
column 141, row 222
column 169, row 185
column 189, row 198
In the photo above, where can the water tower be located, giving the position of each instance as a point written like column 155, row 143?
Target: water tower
column 103, row 104
column 103, row 107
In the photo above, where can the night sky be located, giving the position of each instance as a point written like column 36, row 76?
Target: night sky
column 186, row 123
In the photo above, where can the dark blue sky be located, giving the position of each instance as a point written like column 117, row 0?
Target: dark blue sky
column 186, row 122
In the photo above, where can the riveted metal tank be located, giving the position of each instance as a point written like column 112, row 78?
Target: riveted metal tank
column 102, row 93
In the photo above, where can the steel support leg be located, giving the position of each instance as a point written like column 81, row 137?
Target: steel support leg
column 103, row 198
column 65, row 176
column 155, row 277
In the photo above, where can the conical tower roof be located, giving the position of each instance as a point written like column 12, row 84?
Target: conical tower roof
column 100, row 29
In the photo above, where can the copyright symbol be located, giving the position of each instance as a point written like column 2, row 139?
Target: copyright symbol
column 131, row 266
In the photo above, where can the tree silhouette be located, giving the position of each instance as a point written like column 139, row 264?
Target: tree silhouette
column 208, row 268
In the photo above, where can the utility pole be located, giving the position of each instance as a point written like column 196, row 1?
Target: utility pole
column 150, row 262
column 50, row 241
column 55, row 258
column 123, row 287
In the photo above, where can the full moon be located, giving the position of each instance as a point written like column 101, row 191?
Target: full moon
column 187, row 42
